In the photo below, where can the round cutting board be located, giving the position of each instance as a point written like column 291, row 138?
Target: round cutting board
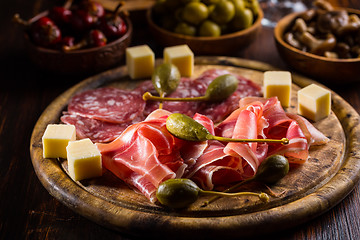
column 307, row 191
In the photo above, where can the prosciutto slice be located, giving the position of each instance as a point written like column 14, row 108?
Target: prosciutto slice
column 146, row 154
column 144, row 149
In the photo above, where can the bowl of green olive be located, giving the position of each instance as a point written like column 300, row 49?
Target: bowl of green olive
column 209, row 27
column 77, row 38
column 322, row 42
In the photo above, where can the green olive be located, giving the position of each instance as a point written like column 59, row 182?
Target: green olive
column 221, row 87
column 242, row 20
column 185, row 29
column 254, row 6
column 195, row 12
column 272, row 169
column 239, row 5
column 186, row 128
column 180, row 193
column 223, row 12
column 165, row 78
column 209, row 29
column 177, row 193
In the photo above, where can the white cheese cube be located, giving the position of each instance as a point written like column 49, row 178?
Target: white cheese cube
column 314, row 102
column 84, row 160
column 140, row 61
column 55, row 139
column 182, row 57
column 278, row 83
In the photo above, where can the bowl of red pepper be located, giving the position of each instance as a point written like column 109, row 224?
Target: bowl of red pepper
column 77, row 39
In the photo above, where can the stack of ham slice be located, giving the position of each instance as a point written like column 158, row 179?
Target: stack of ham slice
column 146, row 154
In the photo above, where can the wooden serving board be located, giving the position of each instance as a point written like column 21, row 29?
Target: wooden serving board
column 307, row 191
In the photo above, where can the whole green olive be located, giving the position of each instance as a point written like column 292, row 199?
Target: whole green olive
column 165, row 78
column 209, row 29
column 242, row 20
column 223, row 12
column 195, row 12
column 185, row 29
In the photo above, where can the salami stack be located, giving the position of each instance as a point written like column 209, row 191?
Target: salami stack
column 103, row 114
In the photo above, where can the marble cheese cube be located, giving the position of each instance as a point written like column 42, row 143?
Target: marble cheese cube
column 84, row 160
column 55, row 139
column 182, row 57
column 314, row 102
column 278, row 83
column 140, row 61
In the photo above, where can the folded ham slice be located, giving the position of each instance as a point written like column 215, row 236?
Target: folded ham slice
column 146, row 154
column 144, row 149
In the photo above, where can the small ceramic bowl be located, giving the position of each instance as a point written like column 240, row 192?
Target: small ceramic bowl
column 326, row 70
column 83, row 61
column 225, row 44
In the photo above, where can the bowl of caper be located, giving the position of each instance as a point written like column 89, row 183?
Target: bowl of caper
column 322, row 42
column 209, row 27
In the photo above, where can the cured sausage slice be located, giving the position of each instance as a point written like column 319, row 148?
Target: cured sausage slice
column 108, row 104
column 96, row 130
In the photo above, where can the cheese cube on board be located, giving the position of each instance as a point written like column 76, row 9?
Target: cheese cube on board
column 278, row 83
column 314, row 102
column 84, row 160
column 182, row 57
column 140, row 61
column 55, row 139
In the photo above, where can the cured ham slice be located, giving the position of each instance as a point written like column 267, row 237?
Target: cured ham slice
column 108, row 104
column 313, row 136
column 144, row 149
column 146, row 154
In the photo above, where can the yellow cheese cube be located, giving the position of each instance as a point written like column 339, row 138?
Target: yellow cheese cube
column 140, row 61
column 278, row 83
column 84, row 160
column 55, row 139
column 182, row 57
column 314, row 102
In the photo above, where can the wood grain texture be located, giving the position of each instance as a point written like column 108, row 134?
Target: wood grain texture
column 308, row 190
column 28, row 211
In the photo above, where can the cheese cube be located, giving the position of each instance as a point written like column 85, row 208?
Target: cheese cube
column 55, row 139
column 140, row 61
column 314, row 102
column 278, row 83
column 182, row 57
column 84, row 160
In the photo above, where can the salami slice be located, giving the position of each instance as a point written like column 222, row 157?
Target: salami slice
column 108, row 104
column 197, row 87
column 218, row 111
column 98, row 131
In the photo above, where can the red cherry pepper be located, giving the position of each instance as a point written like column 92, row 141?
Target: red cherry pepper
column 60, row 15
column 112, row 25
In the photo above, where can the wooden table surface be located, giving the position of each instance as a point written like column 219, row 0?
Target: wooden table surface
column 27, row 211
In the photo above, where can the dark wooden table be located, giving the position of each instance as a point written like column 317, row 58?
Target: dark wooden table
column 27, row 211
